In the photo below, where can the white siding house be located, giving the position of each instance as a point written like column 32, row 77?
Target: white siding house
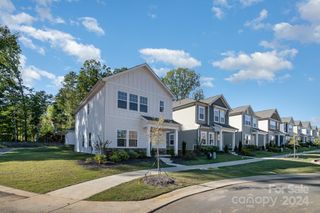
column 123, row 108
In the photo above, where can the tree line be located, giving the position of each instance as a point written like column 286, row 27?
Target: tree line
column 29, row 115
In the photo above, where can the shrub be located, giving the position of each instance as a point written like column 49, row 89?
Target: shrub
column 142, row 154
column 274, row 149
column 226, row 148
column 171, row 152
column 123, row 155
column 184, row 148
column 133, row 154
column 190, row 156
column 208, row 149
column 100, row 158
column 115, row 157
column 247, row 152
column 240, row 147
column 153, row 152
column 88, row 161
column 251, row 147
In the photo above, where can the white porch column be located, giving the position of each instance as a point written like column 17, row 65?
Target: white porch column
column 176, row 142
column 257, row 139
column 233, row 140
column 220, row 142
column 278, row 140
column 149, row 142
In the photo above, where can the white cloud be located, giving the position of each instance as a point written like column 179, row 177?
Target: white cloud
column 6, row 5
column 302, row 33
column 206, row 81
column 28, row 43
column 92, row 25
column 30, row 74
column 18, row 19
column 310, row 10
column 247, row 3
column 271, row 44
column 43, row 9
column 176, row 58
column 64, row 41
column 162, row 71
column 217, row 12
column 218, row 8
column 256, row 66
column 305, row 33
column 258, row 23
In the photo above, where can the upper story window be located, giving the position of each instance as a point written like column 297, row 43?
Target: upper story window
column 273, row 124
column 161, row 106
column 222, row 116
column 122, row 100
column 255, row 122
column 143, row 104
column 216, row 115
column 247, row 120
column 201, row 113
column 133, row 102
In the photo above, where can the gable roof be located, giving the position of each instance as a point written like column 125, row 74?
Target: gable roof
column 190, row 102
column 287, row 120
column 240, row 110
column 99, row 85
column 314, row 127
column 213, row 99
column 269, row 113
column 297, row 123
column 306, row 124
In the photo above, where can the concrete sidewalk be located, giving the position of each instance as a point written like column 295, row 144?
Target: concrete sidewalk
column 89, row 188
column 50, row 203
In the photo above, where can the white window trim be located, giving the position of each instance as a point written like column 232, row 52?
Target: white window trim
column 206, row 138
column 224, row 117
column 245, row 121
column 211, row 134
column 214, row 115
column 171, row 134
column 204, row 113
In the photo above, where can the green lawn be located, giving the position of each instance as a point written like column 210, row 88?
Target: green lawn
column 260, row 154
column 221, row 157
column 137, row 190
column 46, row 169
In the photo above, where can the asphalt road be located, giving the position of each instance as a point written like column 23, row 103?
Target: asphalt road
column 290, row 196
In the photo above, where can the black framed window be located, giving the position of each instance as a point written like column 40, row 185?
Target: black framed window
column 122, row 100
column 133, row 139
column 121, row 138
column 133, row 104
column 90, row 141
column 161, row 106
column 143, row 104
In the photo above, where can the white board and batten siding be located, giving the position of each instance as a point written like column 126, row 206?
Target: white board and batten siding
column 236, row 121
column 187, row 117
column 105, row 118
column 264, row 125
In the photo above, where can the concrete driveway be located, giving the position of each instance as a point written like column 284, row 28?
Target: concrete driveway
column 301, row 194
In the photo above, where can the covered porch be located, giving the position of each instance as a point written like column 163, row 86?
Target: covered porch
column 168, row 126
column 222, row 139
column 256, row 133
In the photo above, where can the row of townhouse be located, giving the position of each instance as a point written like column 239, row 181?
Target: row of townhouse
column 123, row 108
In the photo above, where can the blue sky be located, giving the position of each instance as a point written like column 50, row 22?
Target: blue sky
column 258, row 52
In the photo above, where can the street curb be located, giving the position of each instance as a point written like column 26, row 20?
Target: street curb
column 249, row 179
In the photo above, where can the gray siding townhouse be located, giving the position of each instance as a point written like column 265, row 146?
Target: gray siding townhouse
column 315, row 133
column 269, row 121
column 287, row 128
column 297, row 130
column 246, row 121
column 204, row 121
column 306, row 131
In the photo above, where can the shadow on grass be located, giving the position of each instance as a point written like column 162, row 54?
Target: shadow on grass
column 43, row 153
